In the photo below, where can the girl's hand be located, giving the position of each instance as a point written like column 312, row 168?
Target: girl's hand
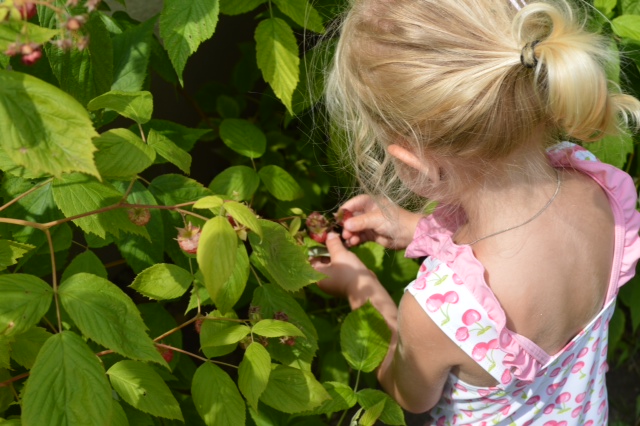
column 391, row 226
column 347, row 276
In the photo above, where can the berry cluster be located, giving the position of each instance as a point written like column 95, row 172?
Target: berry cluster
column 318, row 226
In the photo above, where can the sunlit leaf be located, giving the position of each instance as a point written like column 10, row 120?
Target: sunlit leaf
column 237, row 182
column 292, row 390
column 163, row 281
column 216, row 397
column 137, row 106
column 364, row 338
column 253, row 373
column 122, row 154
column 280, row 183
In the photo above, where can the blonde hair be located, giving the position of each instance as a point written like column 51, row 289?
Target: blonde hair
column 445, row 79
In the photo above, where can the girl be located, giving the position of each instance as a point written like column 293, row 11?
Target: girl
column 464, row 102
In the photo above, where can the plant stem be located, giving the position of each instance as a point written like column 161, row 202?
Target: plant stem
column 191, row 354
column 256, row 275
column 24, row 194
column 54, row 278
column 181, row 326
column 13, row 379
column 355, row 389
column 144, row 138
column 128, row 191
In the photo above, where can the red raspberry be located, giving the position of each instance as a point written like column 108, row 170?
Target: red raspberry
column 31, row 53
column 188, row 238
column 342, row 216
column 166, row 353
column 139, row 216
column 27, row 9
column 317, row 226
column 321, row 238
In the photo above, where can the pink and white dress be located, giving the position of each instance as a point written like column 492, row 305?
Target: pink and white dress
column 534, row 388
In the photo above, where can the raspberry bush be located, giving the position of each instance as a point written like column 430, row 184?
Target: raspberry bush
column 134, row 294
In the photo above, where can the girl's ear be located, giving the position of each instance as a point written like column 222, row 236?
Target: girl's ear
column 412, row 160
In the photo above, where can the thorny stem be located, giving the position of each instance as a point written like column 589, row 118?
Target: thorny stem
column 24, row 194
column 191, row 354
column 54, row 278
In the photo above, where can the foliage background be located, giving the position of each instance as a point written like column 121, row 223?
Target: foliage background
column 211, row 102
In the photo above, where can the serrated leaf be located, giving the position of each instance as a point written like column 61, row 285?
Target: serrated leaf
column 275, row 328
column 87, row 73
column 627, row 26
column 27, row 345
column 230, row 292
column 44, row 129
column 106, row 315
column 292, row 390
column 119, row 417
column 131, row 54
column 236, row 7
column 281, row 259
column 11, row 251
column 253, row 373
column 280, row 183
column 122, row 154
column 302, row 14
column 342, row 398
column 243, row 137
column 217, row 253
column 244, row 216
column 5, row 358
column 364, row 338
column 277, row 55
column 211, row 328
column 76, row 194
column 183, row 26
column 24, row 299
column 163, row 281
column 391, row 414
column 220, row 404
column 210, row 202
column 184, row 137
column 231, row 334
column 237, row 182
column 86, row 261
column 25, row 32
column 137, row 106
column 168, row 150
column 141, row 387
column 77, row 394
column 172, row 189
column 371, row 415
column 270, row 299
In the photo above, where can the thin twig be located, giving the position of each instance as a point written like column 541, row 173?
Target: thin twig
column 13, row 379
column 24, row 194
column 54, row 278
column 181, row 326
column 191, row 354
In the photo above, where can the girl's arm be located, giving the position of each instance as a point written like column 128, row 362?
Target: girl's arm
column 420, row 355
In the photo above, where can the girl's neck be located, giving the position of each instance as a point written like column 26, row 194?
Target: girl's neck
column 521, row 189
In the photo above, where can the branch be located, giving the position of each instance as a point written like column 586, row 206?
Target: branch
column 13, row 379
column 24, row 194
column 181, row 326
column 54, row 279
column 194, row 355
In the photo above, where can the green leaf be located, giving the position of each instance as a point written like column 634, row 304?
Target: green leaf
column 122, row 154
column 105, row 314
column 630, row 7
column 210, row 202
column 183, row 26
column 244, row 216
column 237, row 182
column 627, row 26
column 119, row 416
column 253, row 373
column 280, row 183
column 139, row 252
column 275, row 328
column 131, row 54
column 220, row 404
column 270, row 299
column 44, row 129
column 27, row 345
column 230, row 292
column 280, row 258
column 137, row 106
column 11, row 251
column 25, row 32
column 630, row 296
column 371, row 254
column 159, row 321
column 277, row 55
column 76, row 194
column 182, row 136
column 364, row 338
column 140, row 386
column 230, row 334
column 236, row 7
column 86, row 261
column 7, row 398
column 171, row 189
column 342, row 398
column 217, row 253
column 243, row 137
column 77, row 394
column 371, row 415
column 302, row 14
column 605, row 6
column 24, row 299
column 291, row 390
column 87, row 73
column 5, row 360
column 212, row 328
column 163, row 281
column 168, row 150
column 613, row 150
column 392, row 414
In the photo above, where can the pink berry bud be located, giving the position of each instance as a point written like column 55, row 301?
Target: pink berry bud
column 188, row 238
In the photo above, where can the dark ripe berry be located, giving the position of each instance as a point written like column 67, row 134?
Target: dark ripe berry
column 342, row 216
column 166, row 353
column 232, row 221
column 288, row 340
column 321, row 238
column 27, row 10
column 139, row 216
column 188, row 238
column 281, row 316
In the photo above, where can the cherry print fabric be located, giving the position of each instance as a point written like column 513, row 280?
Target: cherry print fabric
column 534, row 388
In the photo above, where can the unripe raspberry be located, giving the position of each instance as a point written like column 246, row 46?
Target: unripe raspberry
column 166, row 353
column 31, row 53
column 188, row 238
column 342, row 216
column 198, row 325
column 139, row 216
column 317, row 226
column 74, row 23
